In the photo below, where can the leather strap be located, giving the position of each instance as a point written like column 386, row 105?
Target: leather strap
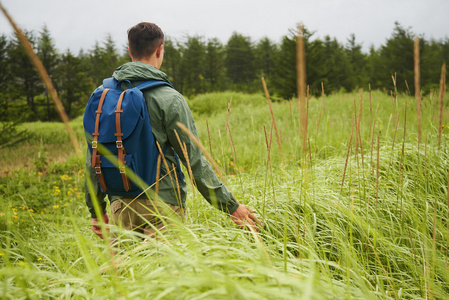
column 99, row 173
column 119, row 143
column 96, row 161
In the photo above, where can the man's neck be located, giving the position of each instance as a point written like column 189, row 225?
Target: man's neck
column 149, row 61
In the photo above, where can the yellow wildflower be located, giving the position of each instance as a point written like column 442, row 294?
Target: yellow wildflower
column 55, row 206
column 65, row 177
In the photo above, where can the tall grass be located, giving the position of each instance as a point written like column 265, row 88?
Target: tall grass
column 381, row 236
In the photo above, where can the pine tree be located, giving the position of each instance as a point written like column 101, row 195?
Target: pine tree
column 25, row 79
column 265, row 54
column 397, row 58
column 5, row 79
column 110, row 56
column 358, row 63
column 75, row 85
column 239, row 61
column 11, row 134
column 336, row 66
column 284, row 79
column 193, row 66
column 103, row 60
column 46, row 50
column 172, row 64
column 214, row 66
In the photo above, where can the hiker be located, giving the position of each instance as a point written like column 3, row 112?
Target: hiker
column 166, row 107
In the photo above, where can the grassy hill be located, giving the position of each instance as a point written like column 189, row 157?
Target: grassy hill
column 362, row 213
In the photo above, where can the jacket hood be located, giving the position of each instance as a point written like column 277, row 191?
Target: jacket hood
column 138, row 71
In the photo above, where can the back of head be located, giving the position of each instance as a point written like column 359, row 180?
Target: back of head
column 144, row 38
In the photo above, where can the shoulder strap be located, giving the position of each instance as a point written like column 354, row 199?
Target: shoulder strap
column 152, row 83
column 110, row 83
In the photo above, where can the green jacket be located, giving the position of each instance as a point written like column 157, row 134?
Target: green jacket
column 166, row 107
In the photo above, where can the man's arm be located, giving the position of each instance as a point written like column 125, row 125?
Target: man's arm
column 215, row 192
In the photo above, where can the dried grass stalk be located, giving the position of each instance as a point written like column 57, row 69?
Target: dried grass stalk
column 440, row 106
column 165, row 161
column 231, row 141
column 425, row 157
column 158, row 174
column 372, row 147
column 377, row 167
column 206, row 154
column 301, row 86
column 186, row 156
column 177, row 182
column 210, row 142
column 395, row 130
column 273, row 120
column 347, row 156
column 360, row 126
column 417, row 87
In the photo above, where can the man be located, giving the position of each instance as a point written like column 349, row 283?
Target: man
column 166, row 107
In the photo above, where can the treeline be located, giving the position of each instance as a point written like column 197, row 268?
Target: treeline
column 199, row 65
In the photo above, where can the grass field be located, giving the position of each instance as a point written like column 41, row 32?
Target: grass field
column 362, row 213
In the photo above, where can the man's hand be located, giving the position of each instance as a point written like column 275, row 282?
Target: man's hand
column 96, row 228
column 244, row 217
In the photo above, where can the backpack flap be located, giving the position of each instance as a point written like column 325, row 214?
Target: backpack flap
column 132, row 112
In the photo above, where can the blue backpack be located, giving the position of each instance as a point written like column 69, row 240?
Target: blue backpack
column 119, row 121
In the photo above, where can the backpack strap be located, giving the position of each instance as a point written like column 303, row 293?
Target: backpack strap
column 113, row 84
column 155, row 83
column 152, row 83
column 110, row 83
column 119, row 143
column 96, row 162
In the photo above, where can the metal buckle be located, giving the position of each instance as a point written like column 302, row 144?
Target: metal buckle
column 94, row 144
column 97, row 170
column 122, row 169
column 117, row 144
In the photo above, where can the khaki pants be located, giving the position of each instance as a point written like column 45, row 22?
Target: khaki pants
column 138, row 214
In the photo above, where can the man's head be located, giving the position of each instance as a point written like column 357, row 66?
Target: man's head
column 145, row 41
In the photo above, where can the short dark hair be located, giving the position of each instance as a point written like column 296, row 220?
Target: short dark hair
column 144, row 38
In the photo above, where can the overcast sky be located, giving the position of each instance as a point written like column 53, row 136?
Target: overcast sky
column 77, row 24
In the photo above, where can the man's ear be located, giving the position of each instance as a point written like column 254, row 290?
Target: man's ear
column 159, row 50
column 129, row 52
